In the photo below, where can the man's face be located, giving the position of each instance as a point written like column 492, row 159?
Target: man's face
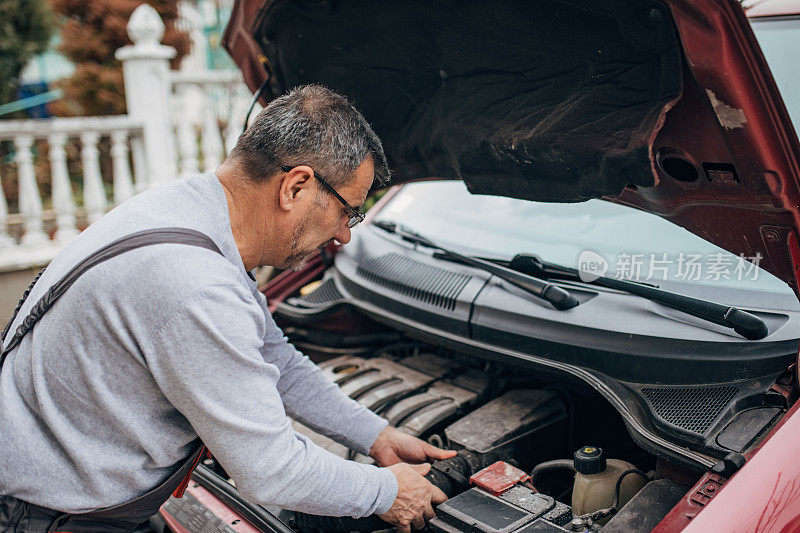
column 326, row 219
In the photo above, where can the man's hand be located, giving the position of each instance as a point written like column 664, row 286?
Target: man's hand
column 393, row 446
column 416, row 497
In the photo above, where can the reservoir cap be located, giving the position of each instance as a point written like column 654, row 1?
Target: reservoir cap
column 589, row 460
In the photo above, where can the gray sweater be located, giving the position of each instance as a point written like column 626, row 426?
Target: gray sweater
column 160, row 345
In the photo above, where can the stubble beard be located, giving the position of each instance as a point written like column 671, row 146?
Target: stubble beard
column 298, row 259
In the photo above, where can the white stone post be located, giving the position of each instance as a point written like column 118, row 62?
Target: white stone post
column 30, row 202
column 123, row 187
column 63, row 204
column 145, row 67
column 94, row 194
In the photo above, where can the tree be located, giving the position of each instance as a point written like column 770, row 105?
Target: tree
column 25, row 30
column 91, row 32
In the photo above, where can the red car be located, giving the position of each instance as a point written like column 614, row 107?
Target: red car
column 583, row 390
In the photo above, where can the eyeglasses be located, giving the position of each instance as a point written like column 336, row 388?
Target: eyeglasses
column 355, row 217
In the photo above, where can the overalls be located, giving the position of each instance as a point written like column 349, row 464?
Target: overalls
column 17, row 515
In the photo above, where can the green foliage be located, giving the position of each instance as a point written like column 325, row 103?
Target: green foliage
column 372, row 199
column 25, row 30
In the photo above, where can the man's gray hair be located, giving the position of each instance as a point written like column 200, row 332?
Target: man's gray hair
column 314, row 126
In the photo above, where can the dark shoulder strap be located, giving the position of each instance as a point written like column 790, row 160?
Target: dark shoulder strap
column 19, row 306
column 120, row 246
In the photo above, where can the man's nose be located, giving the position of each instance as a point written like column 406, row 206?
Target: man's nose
column 343, row 235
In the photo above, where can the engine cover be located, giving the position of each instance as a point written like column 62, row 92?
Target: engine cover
column 507, row 419
column 415, row 394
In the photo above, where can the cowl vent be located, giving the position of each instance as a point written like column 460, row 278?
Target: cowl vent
column 692, row 409
column 426, row 283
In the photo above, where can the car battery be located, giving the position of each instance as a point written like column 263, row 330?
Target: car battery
column 478, row 511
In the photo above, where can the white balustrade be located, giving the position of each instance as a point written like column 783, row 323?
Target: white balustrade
column 94, row 195
column 205, row 100
column 30, row 203
column 123, row 187
column 187, row 138
column 63, row 204
column 62, row 216
column 6, row 242
column 239, row 107
column 200, row 113
column 212, row 137
column 139, row 164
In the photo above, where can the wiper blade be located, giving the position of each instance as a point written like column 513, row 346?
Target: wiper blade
column 745, row 324
column 555, row 295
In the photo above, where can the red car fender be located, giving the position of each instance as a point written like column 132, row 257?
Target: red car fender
column 186, row 524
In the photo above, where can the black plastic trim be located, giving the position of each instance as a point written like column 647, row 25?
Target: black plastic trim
column 256, row 515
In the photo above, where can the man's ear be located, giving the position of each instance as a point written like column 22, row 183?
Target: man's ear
column 294, row 187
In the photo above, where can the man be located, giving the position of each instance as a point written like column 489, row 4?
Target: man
column 151, row 349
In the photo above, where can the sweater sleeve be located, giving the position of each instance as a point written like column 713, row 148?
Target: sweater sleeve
column 316, row 401
column 206, row 359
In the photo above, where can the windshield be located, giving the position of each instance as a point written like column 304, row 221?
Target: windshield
column 779, row 39
column 594, row 236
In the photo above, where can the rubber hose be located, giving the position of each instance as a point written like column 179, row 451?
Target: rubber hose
column 566, row 464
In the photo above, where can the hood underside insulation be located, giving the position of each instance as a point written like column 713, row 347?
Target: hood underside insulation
column 542, row 100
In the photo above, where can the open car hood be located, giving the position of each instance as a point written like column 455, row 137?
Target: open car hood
column 666, row 106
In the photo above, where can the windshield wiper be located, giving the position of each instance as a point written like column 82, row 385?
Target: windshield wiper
column 556, row 296
column 745, row 324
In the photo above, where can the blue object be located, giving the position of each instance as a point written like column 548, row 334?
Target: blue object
column 32, row 97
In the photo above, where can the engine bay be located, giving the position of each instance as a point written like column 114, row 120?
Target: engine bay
column 531, row 456
column 690, row 397
column 536, row 450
